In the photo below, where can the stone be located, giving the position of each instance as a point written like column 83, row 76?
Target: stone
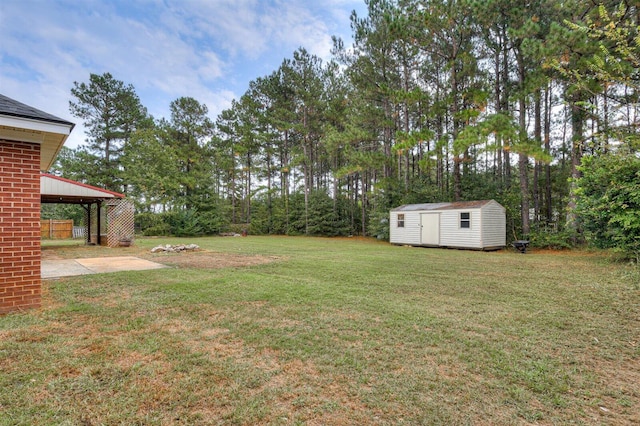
column 168, row 248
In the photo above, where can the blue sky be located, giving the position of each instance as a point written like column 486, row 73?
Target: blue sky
column 207, row 49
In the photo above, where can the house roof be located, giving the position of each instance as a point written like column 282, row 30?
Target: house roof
column 12, row 107
column 23, row 123
column 56, row 189
column 458, row 205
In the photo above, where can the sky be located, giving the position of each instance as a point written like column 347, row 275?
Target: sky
column 206, row 49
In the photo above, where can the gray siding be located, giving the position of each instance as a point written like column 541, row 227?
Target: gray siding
column 410, row 234
column 493, row 226
column 451, row 235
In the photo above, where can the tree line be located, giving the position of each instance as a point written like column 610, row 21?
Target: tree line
column 530, row 103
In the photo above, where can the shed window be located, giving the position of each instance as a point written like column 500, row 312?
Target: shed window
column 401, row 220
column 465, row 220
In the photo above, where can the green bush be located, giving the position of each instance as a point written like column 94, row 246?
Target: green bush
column 608, row 202
column 180, row 223
column 326, row 217
column 146, row 222
column 549, row 238
column 162, row 229
column 239, row 228
column 379, row 224
column 267, row 219
column 184, row 223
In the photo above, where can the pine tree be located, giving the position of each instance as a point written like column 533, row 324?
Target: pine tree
column 111, row 112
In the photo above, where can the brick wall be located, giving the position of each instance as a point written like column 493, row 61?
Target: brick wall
column 20, row 282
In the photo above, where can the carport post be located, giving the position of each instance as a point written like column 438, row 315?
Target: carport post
column 99, row 225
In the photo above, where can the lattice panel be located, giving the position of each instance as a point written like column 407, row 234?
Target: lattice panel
column 93, row 208
column 88, row 226
column 120, row 225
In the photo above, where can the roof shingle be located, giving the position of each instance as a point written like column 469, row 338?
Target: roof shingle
column 13, row 108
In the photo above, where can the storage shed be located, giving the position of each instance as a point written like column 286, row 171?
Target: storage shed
column 477, row 225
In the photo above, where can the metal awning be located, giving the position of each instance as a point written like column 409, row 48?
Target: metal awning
column 55, row 189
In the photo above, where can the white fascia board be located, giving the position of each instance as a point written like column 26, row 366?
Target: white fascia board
column 35, row 125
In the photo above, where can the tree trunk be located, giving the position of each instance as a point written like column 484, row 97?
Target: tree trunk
column 538, row 137
column 523, row 159
column 306, row 160
column 498, row 106
column 457, row 187
column 505, row 109
column 577, row 138
column 547, row 149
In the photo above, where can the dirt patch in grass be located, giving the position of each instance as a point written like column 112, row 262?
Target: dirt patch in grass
column 200, row 259
column 210, row 260
column 50, row 254
column 308, row 395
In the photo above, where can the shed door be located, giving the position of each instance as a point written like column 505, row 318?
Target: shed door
column 430, row 223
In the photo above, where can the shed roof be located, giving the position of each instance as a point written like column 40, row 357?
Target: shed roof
column 458, row 205
column 23, row 123
column 56, row 189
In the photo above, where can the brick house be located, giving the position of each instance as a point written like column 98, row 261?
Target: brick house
column 30, row 140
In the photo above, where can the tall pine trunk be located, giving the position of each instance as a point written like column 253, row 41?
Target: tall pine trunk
column 547, row 149
column 577, row 138
column 523, row 159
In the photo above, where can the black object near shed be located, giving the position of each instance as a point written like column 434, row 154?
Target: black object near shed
column 521, row 245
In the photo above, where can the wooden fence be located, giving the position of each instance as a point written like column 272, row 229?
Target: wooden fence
column 56, row 229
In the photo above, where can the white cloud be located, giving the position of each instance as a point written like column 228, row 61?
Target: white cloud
column 228, row 25
column 206, row 49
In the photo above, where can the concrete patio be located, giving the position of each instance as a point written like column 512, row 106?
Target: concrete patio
column 69, row 267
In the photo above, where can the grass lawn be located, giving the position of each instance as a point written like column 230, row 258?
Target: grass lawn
column 328, row 331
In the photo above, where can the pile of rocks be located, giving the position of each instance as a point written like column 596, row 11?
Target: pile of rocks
column 175, row 249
